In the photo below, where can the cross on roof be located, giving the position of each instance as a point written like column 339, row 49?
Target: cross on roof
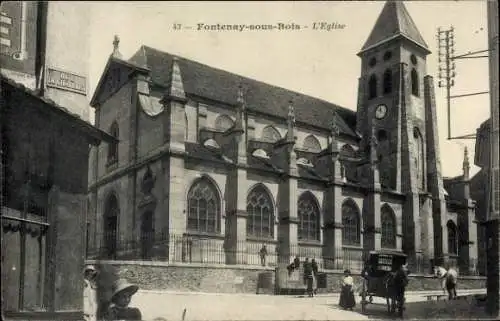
column 116, row 44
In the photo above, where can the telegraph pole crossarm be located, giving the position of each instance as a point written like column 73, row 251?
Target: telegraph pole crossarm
column 447, row 67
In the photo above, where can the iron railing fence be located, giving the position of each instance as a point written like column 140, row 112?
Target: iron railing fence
column 184, row 248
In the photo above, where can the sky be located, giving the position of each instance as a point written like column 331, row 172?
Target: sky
column 319, row 63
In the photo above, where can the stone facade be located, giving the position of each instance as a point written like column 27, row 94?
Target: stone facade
column 161, row 276
column 211, row 165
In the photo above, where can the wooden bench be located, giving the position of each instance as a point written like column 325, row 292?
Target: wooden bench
column 436, row 297
column 440, row 297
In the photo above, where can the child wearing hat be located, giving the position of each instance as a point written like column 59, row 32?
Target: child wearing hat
column 89, row 293
column 119, row 309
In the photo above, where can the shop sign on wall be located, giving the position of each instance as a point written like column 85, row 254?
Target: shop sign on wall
column 67, row 81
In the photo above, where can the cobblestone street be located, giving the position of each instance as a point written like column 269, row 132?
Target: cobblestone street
column 170, row 305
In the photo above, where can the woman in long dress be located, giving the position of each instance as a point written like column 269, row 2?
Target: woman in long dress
column 347, row 300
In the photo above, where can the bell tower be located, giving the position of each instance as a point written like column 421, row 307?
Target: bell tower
column 391, row 94
column 392, row 104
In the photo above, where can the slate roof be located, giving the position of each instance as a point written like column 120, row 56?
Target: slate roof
column 310, row 173
column 200, row 80
column 263, row 164
column 199, row 151
column 394, row 21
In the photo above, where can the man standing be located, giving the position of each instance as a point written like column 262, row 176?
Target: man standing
column 263, row 254
column 309, row 277
column 315, row 271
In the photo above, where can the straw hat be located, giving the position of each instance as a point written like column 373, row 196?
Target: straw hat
column 89, row 268
column 122, row 286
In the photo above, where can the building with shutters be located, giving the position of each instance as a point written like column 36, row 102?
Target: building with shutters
column 43, row 205
column 45, row 138
column 209, row 166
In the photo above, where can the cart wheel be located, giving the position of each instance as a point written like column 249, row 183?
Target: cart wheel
column 363, row 301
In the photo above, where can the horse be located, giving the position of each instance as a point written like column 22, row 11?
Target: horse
column 395, row 286
column 449, row 280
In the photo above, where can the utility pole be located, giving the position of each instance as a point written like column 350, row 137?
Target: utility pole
column 493, row 188
column 447, row 71
column 2, row 179
column 446, row 76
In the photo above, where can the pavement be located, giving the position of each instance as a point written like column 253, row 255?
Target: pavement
column 170, row 305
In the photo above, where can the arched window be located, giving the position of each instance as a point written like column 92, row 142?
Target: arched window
column 351, row 231
column 113, row 146
column 414, row 82
column 260, row 213
column 270, row 134
column 111, row 214
column 203, row 207
column 419, row 158
column 372, row 87
column 387, row 81
column 388, row 220
column 223, row 123
column 452, row 237
column 347, row 150
column 311, row 144
column 309, row 218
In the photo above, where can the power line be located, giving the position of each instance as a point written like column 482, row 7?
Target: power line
column 447, row 71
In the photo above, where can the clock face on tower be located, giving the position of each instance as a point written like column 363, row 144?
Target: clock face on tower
column 381, row 111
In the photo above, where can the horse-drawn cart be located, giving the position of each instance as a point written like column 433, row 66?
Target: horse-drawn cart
column 385, row 275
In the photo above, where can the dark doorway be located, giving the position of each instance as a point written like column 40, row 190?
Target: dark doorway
column 147, row 235
column 110, row 227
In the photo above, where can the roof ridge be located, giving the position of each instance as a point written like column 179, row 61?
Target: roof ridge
column 248, row 78
column 407, row 14
column 394, row 20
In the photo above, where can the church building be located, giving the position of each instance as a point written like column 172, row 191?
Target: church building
column 209, row 166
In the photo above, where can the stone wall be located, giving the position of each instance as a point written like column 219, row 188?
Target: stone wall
column 238, row 278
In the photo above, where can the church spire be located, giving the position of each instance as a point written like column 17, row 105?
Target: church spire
column 466, row 166
column 334, row 132
column 240, row 110
column 394, row 22
column 290, row 135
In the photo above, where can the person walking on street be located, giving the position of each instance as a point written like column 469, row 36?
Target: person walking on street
column 347, row 300
column 315, row 270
